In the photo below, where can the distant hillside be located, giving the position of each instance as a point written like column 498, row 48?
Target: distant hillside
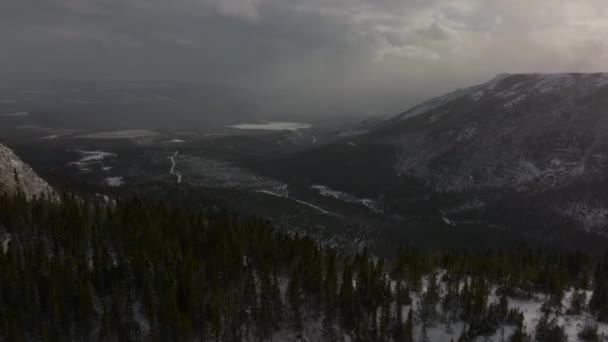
column 525, row 151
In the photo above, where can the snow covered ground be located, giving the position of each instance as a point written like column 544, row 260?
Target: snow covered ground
column 440, row 331
column 89, row 158
column 573, row 324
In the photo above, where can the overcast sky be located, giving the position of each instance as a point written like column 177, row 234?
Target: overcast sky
column 368, row 56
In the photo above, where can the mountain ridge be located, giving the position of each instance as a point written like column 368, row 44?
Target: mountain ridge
column 545, row 80
column 518, row 146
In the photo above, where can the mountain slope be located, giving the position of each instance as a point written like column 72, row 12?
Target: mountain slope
column 516, row 131
column 525, row 151
column 15, row 175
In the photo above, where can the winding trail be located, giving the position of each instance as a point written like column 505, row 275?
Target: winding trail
column 172, row 171
column 298, row 201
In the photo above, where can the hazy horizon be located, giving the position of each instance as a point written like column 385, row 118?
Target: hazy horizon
column 361, row 58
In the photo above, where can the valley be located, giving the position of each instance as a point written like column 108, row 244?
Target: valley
column 455, row 174
column 459, row 166
column 303, row 171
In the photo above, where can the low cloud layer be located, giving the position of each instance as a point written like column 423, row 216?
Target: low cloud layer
column 364, row 57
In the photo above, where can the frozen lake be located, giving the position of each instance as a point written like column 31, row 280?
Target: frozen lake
column 124, row 134
column 273, row 126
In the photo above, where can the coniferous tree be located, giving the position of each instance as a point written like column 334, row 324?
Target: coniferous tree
column 577, row 303
column 463, row 334
column 138, row 269
column 424, row 334
column 548, row 331
column 295, row 301
column 347, row 299
column 599, row 301
column 398, row 329
column 408, row 329
column 589, row 333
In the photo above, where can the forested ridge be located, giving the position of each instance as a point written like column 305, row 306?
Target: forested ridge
column 143, row 270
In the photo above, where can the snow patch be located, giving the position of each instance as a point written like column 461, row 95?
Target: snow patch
column 91, row 156
column 506, row 93
column 526, row 172
column 514, row 102
column 115, row 181
column 141, row 320
column 477, row 95
column 434, row 118
column 448, row 221
column 554, row 82
column 345, row 197
column 466, row 134
column 517, row 85
column 601, row 80
column 556, row 162
column 591, row 218
column 6, row 239
column 511, row 91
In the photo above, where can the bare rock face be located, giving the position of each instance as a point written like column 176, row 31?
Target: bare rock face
column 15, row 175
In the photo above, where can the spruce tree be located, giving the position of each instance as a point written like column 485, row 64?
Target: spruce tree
column 408, row 329
column 599, row 301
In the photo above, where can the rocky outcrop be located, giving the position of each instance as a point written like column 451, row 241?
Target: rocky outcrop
column 17, row 176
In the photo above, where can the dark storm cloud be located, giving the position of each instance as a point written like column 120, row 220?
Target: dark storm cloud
column 371, row 56
column 192, row 39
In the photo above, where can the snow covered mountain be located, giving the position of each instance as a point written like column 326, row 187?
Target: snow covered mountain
column 517, row 131
column 531, row 146
column 15, row 175
column 514, row 86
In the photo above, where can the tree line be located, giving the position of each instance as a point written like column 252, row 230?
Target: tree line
column 141, row 270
